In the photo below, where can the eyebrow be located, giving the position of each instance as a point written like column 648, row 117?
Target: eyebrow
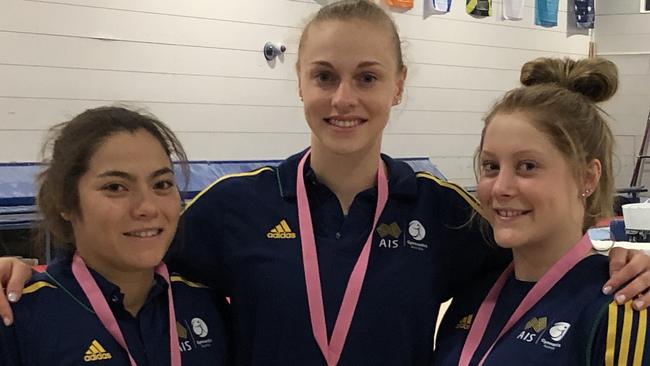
column 362, row 64
column 517, row 153
column 370, row 63
column 127, row 176
column 321, row 63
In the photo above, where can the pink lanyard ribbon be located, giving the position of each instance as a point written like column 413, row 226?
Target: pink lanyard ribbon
column 543, row 286
column 105, row 315
column 332, row 350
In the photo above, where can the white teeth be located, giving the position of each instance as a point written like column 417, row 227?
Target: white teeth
column 509, row 213
column 144, row 234
column 345, row 124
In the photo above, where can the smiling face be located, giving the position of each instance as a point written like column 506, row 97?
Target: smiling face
column 349, row 80
column 129, row 205
column 527, row 188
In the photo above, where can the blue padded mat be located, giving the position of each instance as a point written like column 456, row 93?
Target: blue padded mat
column 17, row 187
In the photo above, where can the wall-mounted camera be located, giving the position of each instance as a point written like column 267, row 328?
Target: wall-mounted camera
column 272, row 50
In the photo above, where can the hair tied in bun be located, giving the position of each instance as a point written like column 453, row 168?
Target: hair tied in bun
column 595, row 78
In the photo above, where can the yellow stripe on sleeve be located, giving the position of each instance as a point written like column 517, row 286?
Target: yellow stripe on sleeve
column 466, row 196
column 611, row 334
column 176, row 278
column 37, row 286
column 245, row 174
column 640, row 338
column 627, row 334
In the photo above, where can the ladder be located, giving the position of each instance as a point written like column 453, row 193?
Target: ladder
column 638, row 168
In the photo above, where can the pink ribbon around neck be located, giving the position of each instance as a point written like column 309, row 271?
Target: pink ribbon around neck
column 105, row 315
column 332, row 350
column 543, row 286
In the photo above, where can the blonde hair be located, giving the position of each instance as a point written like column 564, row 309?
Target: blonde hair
column 356, row 9
column 560, row 96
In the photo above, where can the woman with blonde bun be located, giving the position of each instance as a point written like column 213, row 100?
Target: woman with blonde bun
column 545, row 176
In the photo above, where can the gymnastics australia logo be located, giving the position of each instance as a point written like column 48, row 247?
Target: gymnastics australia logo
column 537, row 331
column 197, row 339
column 417, row 232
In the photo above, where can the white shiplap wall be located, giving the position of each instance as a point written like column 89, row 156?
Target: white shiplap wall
column 198, row 66
column 623, row 36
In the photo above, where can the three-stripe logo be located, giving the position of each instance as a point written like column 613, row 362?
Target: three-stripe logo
column 281, row 231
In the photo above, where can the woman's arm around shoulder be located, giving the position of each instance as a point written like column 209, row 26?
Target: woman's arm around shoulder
column 13, row 276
